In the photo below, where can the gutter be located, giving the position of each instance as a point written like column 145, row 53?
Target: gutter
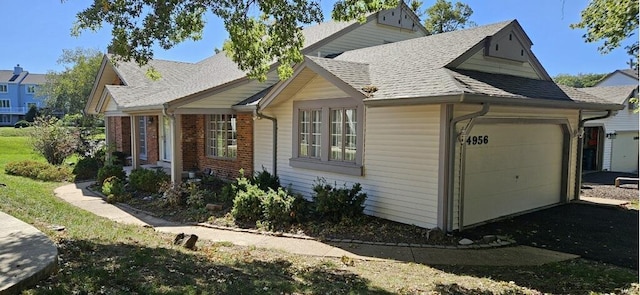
column 258, row 115
column 578, row 182
column 448, row 224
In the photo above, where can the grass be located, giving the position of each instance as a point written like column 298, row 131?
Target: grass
column 101, row 256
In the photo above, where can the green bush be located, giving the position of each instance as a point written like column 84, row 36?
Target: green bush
column 87, row 168
column 278, row 207
column 22, row 124
column 337, row 203
column 247, row 205
column 174, row 194
column 265, row 181
column 113, row 188
column 145, row 180
column 53, row 140
column 39, row 170
column 197, row 199
column 117, row 158
column 110, row 170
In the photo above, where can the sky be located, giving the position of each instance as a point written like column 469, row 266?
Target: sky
column 36, row 32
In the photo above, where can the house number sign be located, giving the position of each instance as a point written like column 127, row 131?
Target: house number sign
column 478, row 140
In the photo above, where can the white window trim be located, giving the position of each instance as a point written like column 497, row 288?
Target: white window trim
column 143, row 137
column 28, row 87
column 6, row 88
column 208, row 147
column 324, row 163
column 2, row 104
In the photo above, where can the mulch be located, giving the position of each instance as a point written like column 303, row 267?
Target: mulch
column 601, row 233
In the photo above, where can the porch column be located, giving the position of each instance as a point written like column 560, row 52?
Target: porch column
column 135, row 142
column 176, row 150
column 107, row 142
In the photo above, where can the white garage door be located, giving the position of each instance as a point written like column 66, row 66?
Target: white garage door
column 511, row 168
column 624, row 157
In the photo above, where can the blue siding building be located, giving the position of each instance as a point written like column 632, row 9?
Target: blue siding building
column 18, row 93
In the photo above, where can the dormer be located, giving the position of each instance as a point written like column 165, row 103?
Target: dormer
column 400, row 17
column 509, row 44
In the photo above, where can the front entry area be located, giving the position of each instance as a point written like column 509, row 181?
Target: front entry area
column 511, row 168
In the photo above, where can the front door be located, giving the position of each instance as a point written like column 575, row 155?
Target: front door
column 166, row 139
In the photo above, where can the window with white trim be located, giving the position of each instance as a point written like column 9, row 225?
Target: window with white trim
column 5, row 103
column 328, row 135
column 222, row 136
column 31, row 89
column 5, row 119
column 4, row 88
column 142, row 129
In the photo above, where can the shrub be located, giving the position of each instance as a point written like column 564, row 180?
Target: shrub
column 227, row 194
column 174, row 194
column 197, row 199
column 110, row 170
column 277, row 207
column 113, row 188
column 87, row 168
column 147, row 180
column 247, row 204
column 22, row 124
column 118, row 158
column 38, row 170
column 265, row 181
column 301, row 209
column 53, row 140
column 337, row 203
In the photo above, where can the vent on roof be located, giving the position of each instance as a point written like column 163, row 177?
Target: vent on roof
column 13, row 78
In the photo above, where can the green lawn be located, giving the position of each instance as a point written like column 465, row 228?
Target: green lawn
column 99, row 256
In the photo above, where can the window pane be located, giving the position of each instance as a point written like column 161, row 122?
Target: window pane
column 222, row 136
column 232, row 141
column 316, row 133
column 304, row 134
column 336, row 135
column 143, row 136
column 350, row 146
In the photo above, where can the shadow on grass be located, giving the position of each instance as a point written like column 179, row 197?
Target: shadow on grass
column 87, row 267
column 577, row 276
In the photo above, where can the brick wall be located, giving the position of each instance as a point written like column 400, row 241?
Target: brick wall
column 194, row 147
column 120, row 133
column 153, row 154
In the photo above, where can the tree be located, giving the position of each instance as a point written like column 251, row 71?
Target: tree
column 260, row 32
column 579, row 80
column 611, row 21
column 31, row 115
column 53, row 140
column 443, row 17
column 69, row 89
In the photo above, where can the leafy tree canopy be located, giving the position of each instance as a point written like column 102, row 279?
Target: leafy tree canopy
column 444, row 17
column 69, row 89
column 611, row 21
column 260, row 32
column 579, row 80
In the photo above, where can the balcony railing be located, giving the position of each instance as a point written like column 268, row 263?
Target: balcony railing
column 14, row 110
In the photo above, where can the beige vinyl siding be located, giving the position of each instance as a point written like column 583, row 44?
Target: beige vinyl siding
column 518, row 112
column 367, row 35
column 618, row 79
column 478, row 62
column 228, row 98
column 400, row 156
column 111, row 105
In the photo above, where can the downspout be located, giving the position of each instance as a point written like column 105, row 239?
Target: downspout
column 451, row 161
column 258, row 115
column 578, row 182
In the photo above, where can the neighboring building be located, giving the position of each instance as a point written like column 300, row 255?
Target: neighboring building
column 611, row 144
column 18, row 93
column 448, row 130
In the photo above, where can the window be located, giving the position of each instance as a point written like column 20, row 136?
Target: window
column 31, row 104
column 142, row 128
column 222, row 136
column 31, row 89
column 327, row 135
column 3, row 88
column 5, row 103
column 5, row 119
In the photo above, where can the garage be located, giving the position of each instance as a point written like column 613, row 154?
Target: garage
column 510, row 168
column 625, row 152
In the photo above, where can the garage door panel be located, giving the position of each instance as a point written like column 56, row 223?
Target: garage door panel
column 520, row 168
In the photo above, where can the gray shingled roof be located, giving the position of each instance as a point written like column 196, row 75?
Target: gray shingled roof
column 607, row 94
column 418, row 68
column 183, row 79
column 5, row 75
column 38, row 79
column 630, row 72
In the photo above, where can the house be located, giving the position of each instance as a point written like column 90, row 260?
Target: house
column 611, row 144
column 448, row 130
column 18, row 94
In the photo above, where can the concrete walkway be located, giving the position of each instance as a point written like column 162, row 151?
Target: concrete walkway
column 26, row 255
column 78, row 195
